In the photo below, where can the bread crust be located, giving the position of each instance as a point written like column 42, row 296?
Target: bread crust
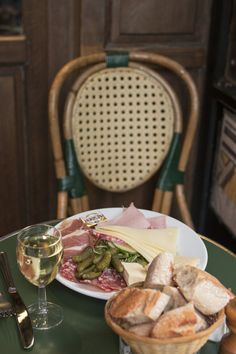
column 175, row 323
column 160, row 271
column 143, row 329
column 176, row 298
column 189, row 306
column 207, row 293
column 134, row 306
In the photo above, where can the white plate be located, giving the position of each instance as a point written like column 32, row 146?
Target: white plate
column 189, row 244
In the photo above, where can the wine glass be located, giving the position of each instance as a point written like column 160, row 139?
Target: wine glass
column 39, row 254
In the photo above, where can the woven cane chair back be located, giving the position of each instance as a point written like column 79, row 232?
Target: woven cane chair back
column 122, row 125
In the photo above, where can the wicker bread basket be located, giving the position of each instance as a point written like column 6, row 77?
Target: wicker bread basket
column 178, row 345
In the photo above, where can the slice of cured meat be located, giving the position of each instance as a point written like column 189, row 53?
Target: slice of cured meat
column 76, row 238
column 130, row 217
column 69, row 226
column 109, row 280
column 158, row 222
column 67, row 270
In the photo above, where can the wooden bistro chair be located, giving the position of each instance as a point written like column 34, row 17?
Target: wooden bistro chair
column 122, row 123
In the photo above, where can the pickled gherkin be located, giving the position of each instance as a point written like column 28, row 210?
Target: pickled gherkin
column 89, row 269
column 85, row 263
column 104, row 262
column 91, row 275
column 115, row 261
column 88, row 251
column 97, row 258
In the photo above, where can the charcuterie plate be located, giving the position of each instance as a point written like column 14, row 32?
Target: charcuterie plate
column 189, row 244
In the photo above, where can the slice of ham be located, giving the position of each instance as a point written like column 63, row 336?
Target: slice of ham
column 76, row 238
column 69, row 226
column 158, row 222
column 130, row 217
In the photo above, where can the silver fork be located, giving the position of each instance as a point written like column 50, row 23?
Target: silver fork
column 6, row 309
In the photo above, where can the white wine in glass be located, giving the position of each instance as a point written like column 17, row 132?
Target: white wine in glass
column 39, row 255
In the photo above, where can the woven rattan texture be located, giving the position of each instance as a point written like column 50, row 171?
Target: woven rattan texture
column 122, row 124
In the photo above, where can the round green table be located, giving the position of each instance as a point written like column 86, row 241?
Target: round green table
column 84, row 330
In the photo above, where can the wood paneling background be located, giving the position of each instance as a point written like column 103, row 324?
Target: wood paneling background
column 54, row 32
column 13, row 191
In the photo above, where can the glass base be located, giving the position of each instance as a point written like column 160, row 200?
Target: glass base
column 46, row 318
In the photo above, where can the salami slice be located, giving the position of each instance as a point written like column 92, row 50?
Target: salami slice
column 109, row 280
column 67, row 270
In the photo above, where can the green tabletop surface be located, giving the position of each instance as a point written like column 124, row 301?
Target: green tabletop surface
column 84, row 330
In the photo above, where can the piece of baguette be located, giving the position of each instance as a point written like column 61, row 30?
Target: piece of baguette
column 134, row 306
column 176, row 298
column 176, row 323
column 160, row 271
column 143, row 329
column 207, row 293
column 202, row 322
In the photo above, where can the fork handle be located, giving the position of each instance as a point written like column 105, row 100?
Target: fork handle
column 6, row 271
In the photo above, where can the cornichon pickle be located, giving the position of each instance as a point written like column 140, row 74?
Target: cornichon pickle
column 97, row 258
column 104, row 262
column 90, row 268
column 117, row 263
column 88, row 251
column 77, row 275
column 91, row 275
column 85, row 263
column 86, row 270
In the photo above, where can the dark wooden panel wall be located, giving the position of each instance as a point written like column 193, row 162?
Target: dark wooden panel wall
column 12, row 155
column 58, row 30
column 13, row 190
column 28, row 63
column 179, row 29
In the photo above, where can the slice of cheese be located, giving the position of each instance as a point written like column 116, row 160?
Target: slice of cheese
column 133, row 273
column 148, row 242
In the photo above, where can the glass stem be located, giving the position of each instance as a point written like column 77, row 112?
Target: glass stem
column 42, row 299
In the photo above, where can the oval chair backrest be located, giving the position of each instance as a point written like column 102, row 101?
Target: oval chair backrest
column 122, row 121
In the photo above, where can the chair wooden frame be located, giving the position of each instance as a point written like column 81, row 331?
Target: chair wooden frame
column 162, row 199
